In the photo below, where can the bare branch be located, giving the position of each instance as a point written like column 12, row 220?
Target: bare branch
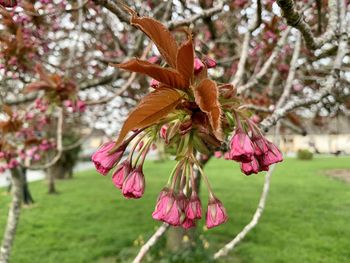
column 147, row 246
column 267, row 64
column 296, row 19
column 261, row 206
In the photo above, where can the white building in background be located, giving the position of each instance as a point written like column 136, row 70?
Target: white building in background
column 333, row 137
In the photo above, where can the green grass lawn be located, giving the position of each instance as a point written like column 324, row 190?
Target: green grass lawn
column 307, row 218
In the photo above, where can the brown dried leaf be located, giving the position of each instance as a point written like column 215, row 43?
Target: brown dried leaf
column 151, row 109
column 168, row 76
column 185, row 58
column 206, row 96
column 160, row 35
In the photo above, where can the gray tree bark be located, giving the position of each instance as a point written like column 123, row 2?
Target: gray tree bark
column 13, row 215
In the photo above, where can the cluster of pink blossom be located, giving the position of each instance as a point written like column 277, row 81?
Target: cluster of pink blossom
column 175, row 206
column 128, row 175
column 75, row 105
column 9, row 159
column 252, row 149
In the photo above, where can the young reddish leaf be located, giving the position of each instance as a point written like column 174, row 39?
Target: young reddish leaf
column 168, row 76
column 44, row 76
column 160, row 35
column 185, row 58
column 151, row 109
column 7, row 110
column 206, row 96
column 38, row 85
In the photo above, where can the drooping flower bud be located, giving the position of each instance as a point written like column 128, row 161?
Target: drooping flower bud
column 211, row 63
column 272, row 156
column 198, row 66
column 216, row 214
column 194, row 207
column 163, row 132
column 251, row 167
column 188, row 223
column 260, row 145
column 168, row 209
column 154, row 83
column 120, row 173
column 134, row 184
column 241, row 149
column 105, row 161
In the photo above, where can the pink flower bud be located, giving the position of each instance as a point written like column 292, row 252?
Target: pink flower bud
column 168, row 209
column 188, row 223
column 68, row 103
column 134, row 184
column 216, row 214
column 211, row 63
column 272, row 156
column 80, row 106
column 154, row 59
column 154, row 83
column 251, row 167
column 120, row 173
column 198, row 66
column 218, row 154
column 163, row 132
column 12, row 164
column 241, row 147
column 194, row 207
column 105, row 161
column 260, row 145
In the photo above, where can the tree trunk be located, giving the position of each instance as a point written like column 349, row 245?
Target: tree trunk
column 50, row 173
column 27, row 196
column 175, row 235
column 13, row 215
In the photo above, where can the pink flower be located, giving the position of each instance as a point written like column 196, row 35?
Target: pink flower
column 154, row 83
column 163, row 132
column 188, row 223
column 218, row 154
column 272, row 156
column 104, row 160
column 80, row 106
column 198, row 65
column 168, row 209
column 194, row 207
column 68, row 103
column 241, row 147
column 251, row 167
column 211, row 63
column 120, row 173
column 134, row 184
column 13, row 163
column 260, row 145
column 216, row 214
column 154, row 59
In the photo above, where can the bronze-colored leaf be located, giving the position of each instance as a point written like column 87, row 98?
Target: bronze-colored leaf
column 185, row 59
column 7, row 110
column 206, row 96
column 160, row 35
column 38, row 85
column 168, row 76
column 151, row 109
column 44, row 76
